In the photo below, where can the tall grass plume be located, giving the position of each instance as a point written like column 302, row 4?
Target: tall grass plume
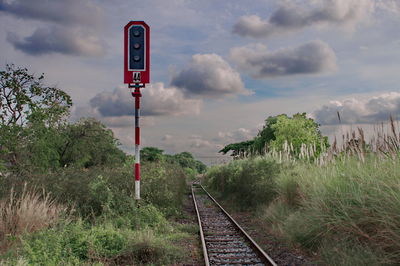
column 27, row 212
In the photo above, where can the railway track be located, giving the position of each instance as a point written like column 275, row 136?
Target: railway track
column 224, row 241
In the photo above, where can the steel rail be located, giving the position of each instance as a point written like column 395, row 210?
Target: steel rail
column 255, row 246
column 203, row 242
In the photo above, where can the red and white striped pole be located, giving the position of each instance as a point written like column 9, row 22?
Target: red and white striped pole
column 137, row 96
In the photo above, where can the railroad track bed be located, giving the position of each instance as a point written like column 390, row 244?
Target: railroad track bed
column 224, row 241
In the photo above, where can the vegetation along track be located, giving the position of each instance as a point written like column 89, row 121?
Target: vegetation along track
column 224, row 241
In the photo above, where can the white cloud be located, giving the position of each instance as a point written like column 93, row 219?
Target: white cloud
column 295, row 16
column 392, row 6
column 209, row 75
column 157, row 100
column 351, row 111
column 237, row 135
column 311, row 58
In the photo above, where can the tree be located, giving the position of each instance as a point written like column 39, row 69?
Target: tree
column 186, row 160
column 239, row 149
column 151, row 154
column 266, row 135
column 89, row 143
column 28, row 111
column 24, row 98
column 295, row 131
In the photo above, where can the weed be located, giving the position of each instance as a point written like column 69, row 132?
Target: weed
column 26, row 213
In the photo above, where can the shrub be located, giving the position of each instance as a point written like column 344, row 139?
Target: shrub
column 146, row 247
column 249, row 182
column 52, row 247
column 97, row 190
column 106, row 242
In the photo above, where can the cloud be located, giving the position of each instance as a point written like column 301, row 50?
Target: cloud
column 156, row 101
column 72, row 27
column 291, row 17
column 237, row 135
column 166, row 138
column 311, row 58
column 199, row 142
column 351, row 111
column 77, row 112
column 70, row 12
column 209, row 75
column 392, row 6
column 58, row 40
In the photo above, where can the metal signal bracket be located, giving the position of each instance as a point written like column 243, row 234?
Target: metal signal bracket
column 136, row 85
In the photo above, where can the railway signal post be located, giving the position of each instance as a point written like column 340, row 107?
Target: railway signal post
column 136, row 75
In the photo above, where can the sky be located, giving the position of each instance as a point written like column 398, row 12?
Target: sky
column 218, row 68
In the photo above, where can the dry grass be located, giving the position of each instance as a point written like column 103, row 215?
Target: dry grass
column 26, row 213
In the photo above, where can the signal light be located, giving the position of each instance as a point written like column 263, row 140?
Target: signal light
column 136, row 52
column 137, row 35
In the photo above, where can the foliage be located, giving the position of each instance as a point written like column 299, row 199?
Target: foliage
column 248, row 183
column 29, row 115
column 34, row 135
column 89, row 143
column 115, row 228
column 24, row 98
column 267, row 134
column 350, row 208
column 28, row 212
column 186, row 160
column 81, row 168
column 86, row 143
column 238, row 149
column 279, row 131
column 297, row 131
column 99, row 190
column 76, row 244
column 151, row 154
column 183, row 159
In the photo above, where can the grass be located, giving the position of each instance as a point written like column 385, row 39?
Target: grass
column 106, row 228
column 249, row 182
column 351, row 202
column 347, row 212
column 27, row 213
column 343, row 206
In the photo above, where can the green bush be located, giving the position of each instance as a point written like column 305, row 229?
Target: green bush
column 68, row 246
column 249, row 183
column 97, row 190
column 78, row 243
column 146, row 247
column 106, row 242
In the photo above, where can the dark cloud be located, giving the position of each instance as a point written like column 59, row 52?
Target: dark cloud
column 72, row 26
column 76, row 12
column 209, row 75
column 58, row 40
column 310, row 58
column 157, row 101
column 352, row 111
column 291, row 17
